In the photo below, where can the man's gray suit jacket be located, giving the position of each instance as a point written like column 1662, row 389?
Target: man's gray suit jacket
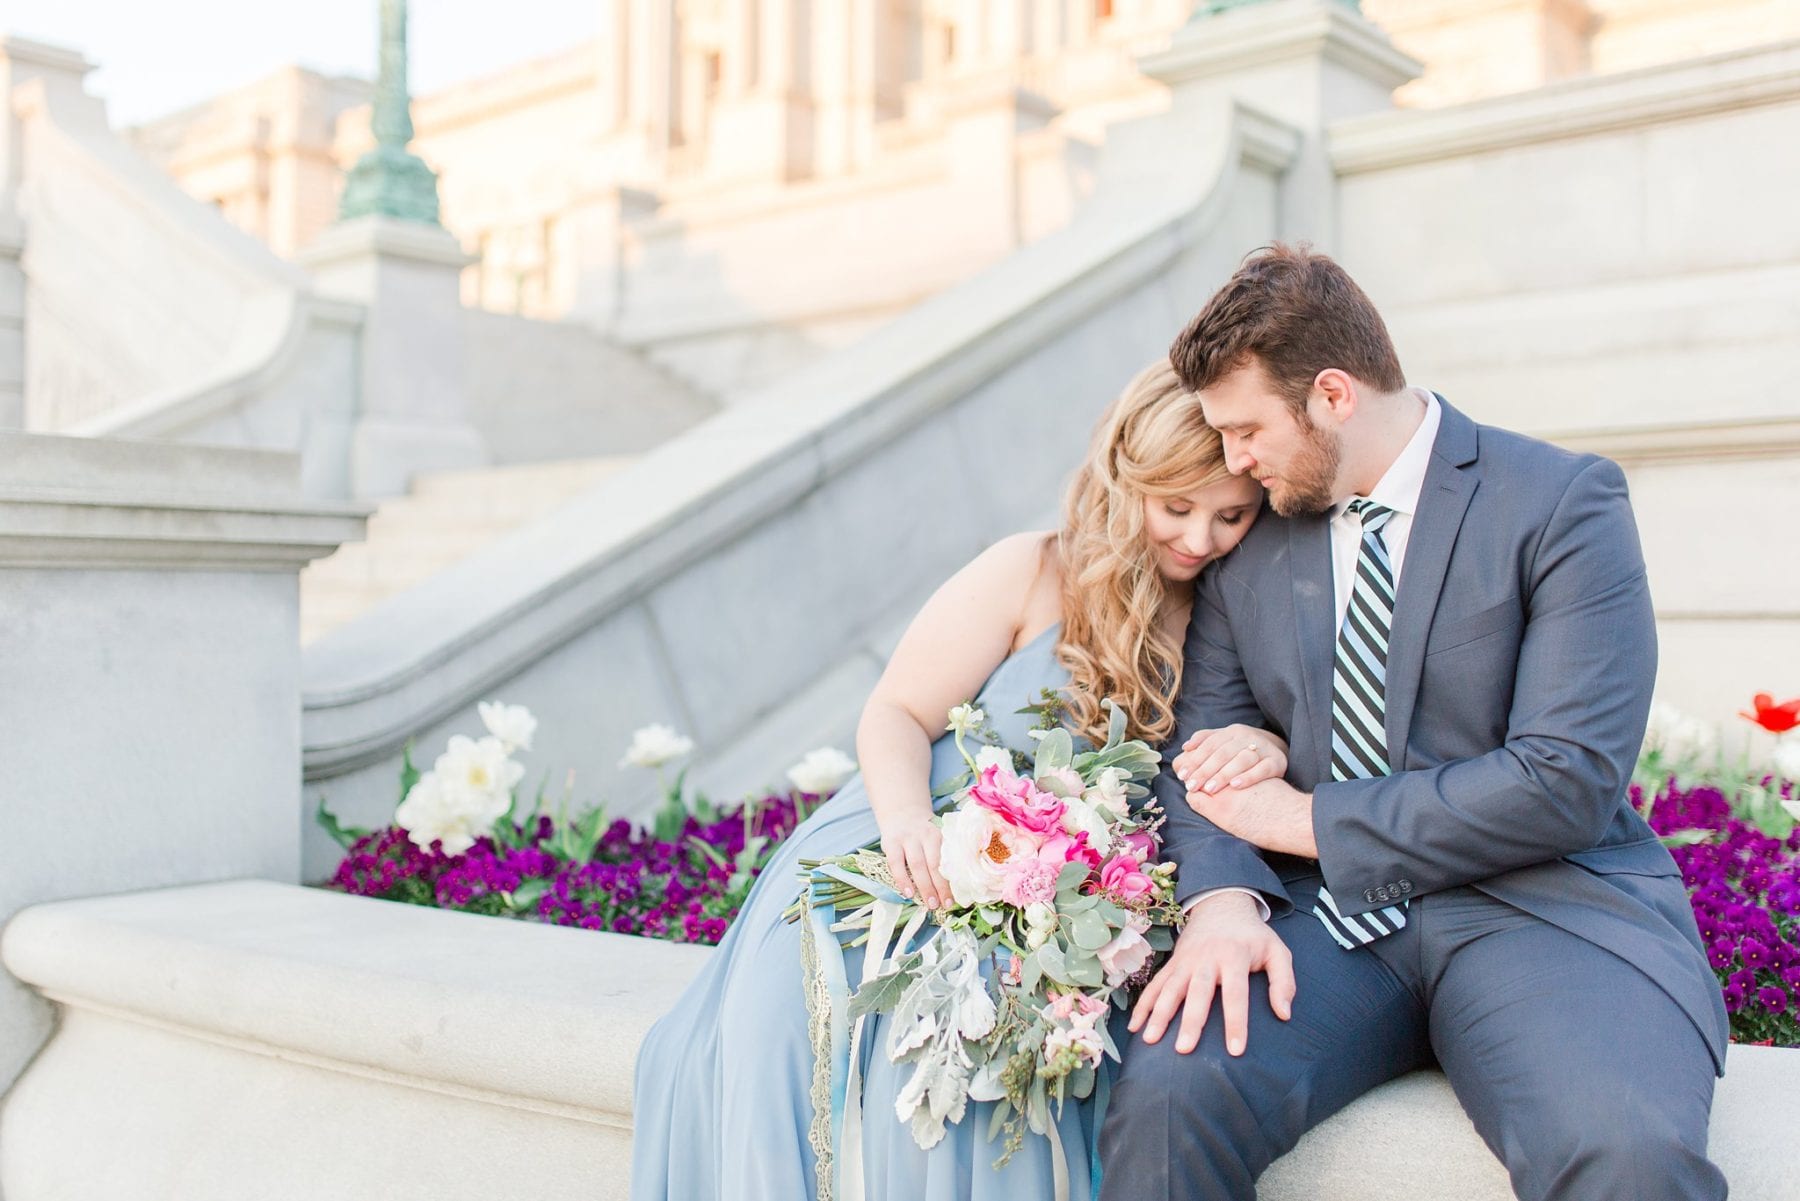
column 1519, row 676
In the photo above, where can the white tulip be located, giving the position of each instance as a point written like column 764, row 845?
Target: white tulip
column 1787, row 761
column 478, row 768
column 655, row 745
column 1677, row 736
column 433, row 813
column 822, row 772
column 513, row 725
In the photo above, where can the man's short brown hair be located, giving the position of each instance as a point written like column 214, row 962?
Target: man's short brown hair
column 1296, row 312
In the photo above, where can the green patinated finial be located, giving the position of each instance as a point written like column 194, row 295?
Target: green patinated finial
column 389, row 181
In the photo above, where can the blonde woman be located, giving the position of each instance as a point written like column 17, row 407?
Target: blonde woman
column 728, row 1103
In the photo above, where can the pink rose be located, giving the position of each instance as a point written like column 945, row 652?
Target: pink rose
column 1142, row 845
column 1123, row 879
column 1019, row 801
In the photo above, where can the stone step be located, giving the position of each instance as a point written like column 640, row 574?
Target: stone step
column 447, row 516
column 320, row 1016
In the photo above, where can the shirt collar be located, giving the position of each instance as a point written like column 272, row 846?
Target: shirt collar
column 1399, row 488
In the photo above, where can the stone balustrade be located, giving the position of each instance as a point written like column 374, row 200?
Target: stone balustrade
column 314, row 1044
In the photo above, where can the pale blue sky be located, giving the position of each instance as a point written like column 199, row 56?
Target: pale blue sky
column 156, row 56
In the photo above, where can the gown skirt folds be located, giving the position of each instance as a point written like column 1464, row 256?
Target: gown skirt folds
column 724, row 1093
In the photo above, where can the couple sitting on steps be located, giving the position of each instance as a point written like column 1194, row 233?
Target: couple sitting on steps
column 1400, row 712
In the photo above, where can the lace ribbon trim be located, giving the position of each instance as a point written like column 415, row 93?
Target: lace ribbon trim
column 818, row 1032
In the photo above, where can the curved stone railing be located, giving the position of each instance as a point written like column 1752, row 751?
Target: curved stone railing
column 733, row 579
column 326, row 1045
column 151, row 316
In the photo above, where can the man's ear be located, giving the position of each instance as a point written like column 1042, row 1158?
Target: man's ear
column 1334, row 396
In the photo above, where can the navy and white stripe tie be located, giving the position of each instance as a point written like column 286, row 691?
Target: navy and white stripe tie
column 1359, row 704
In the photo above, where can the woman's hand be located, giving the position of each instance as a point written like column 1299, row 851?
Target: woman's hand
column 1231, row 757
column 912, row 845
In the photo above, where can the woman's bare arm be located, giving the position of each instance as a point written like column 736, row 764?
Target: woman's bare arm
column 967, row 628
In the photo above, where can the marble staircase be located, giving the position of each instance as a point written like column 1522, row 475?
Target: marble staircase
column 444, row 518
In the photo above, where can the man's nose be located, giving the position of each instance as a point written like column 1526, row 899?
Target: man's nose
column 1237, row 459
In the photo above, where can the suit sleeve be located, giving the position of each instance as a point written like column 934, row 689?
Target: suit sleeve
column 1214, row 693
column 1581, row 695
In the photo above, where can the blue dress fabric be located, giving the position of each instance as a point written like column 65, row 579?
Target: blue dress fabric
column 723, row 1091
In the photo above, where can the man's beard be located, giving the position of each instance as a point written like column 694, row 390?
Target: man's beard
column 1311, row 479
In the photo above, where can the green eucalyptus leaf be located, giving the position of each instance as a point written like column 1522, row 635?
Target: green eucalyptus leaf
column 1031, row 974
column 1085, row 970
column 1002, row 1108
column 1088, row 931
column 1050, row 959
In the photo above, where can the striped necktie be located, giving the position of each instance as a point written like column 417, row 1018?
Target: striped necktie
column 1359, row 704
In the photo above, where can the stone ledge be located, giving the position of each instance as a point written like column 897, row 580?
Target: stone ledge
column 86, row 503
column 311, row 1012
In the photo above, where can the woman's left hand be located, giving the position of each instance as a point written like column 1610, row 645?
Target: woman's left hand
column 1231, row 757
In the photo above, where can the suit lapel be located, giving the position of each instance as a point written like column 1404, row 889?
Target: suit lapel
column 1309, row 562
column 1442, row 503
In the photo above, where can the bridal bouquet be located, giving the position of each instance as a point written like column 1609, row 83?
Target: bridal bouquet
column 1060, row 905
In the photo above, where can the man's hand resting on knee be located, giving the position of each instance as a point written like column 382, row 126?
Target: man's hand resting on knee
column 1225, row 939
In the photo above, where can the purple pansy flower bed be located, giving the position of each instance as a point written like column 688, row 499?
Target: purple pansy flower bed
column 1745, row 888
column 684, row 880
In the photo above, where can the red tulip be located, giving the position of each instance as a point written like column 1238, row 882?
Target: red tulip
column 1776, row 719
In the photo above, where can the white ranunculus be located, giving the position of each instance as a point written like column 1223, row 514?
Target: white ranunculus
column 993, row 756
column 513, row 725
column 974, row 878
column 1080, row 817
column 655, row 745
column 1786, row 760
column 965, row 719
column 1676, row 736
column 822, row 771
column 1040, row 924
column 1108, row 791
column 431, row 812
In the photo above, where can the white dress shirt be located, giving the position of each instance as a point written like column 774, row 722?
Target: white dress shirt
column 1398, row 489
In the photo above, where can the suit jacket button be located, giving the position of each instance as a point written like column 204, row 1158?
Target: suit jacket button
column 1369, row 895
column 1405, row 886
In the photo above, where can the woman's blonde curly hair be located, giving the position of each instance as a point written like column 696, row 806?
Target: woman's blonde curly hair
column 1153, row 441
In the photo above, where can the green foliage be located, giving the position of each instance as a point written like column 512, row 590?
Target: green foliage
column 409, row 775
column 344, row 836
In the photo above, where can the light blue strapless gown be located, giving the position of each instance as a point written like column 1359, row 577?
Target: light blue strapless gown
column 724, row 1080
